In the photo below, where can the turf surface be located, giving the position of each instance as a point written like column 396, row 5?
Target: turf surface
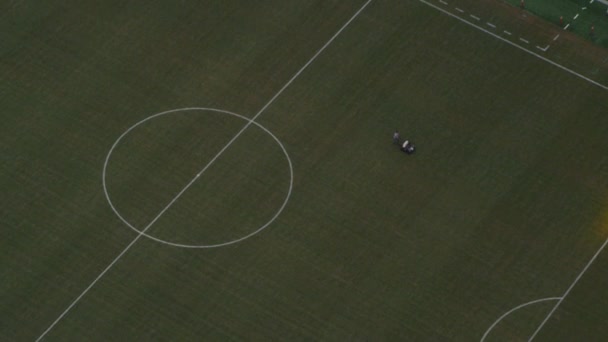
column 579, row 15
column 503, row 203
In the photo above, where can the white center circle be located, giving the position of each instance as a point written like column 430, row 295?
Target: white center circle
column 226, row 243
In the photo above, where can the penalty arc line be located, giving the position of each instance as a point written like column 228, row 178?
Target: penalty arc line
column 517, row 46
column 86, row 290
column 559, row 302
column 575, row 74
column 483, row 338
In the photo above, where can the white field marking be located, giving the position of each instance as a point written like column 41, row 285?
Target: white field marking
column 566, row 27
column 475, row 17
column 576, row 16
column 525, row 41
column 313, row 58
column 443, row 2
column 459, row 10
column 105, row 188
column 517, row 46
column 115, row 260
column 203, row 170
column 513, row 310
column 554, row 39
column 543, row 49
column 491, row 25
column 584, row 8
column 507, row 33
column 580, row 275
column 590, row 2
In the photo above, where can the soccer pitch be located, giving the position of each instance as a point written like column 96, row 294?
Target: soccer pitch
column 224, row 171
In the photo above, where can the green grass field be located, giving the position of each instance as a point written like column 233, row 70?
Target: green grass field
column 579, row 15
column 504, row 203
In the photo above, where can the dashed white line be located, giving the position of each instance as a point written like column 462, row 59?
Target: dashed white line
column 557, row 65
column 475, row 17
column 459, row 10
column 491, row 25
column 525, row 41
column 576, row 16
column 507, row 33
column 443, row 2
column 566, row 27
column 543, row 49
column 554, row 39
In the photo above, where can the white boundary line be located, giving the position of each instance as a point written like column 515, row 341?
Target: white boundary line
column 513, row 310
column 568, row 290
column 575, row 74
column 203, row 170
column 518, row 46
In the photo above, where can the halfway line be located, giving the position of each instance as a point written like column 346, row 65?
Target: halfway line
column 201, row 172
column 568, row 290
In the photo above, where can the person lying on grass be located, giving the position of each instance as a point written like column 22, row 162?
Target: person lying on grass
column 408, row 147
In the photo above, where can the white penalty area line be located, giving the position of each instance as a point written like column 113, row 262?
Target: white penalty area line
column 86, row 290
column 517, row 46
